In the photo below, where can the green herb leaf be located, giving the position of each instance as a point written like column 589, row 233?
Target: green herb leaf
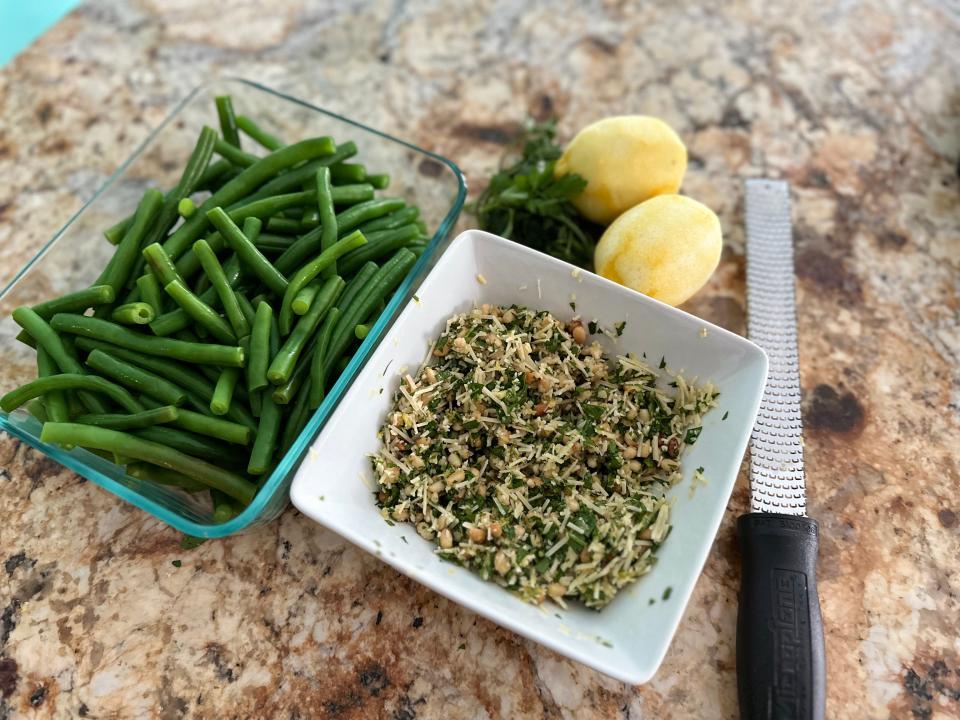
column 526, row 202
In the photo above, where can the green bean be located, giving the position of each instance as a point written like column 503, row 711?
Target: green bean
column 417, row 248
column 213, row 172
column 274, row 339
column 55, row 401
column 163, row 476
column 199, row 391
column 140, row 449
column 131, row 376
column 234, row 154
column 196, row 445
column 135, row 313
column 36, row 408
column 231, row 432
column 386, row 279
column 297, row 417
column 76, row 301
column 218, row 279
column 301, row 303
column 202, row 284
column 121, row 265
column 133, row 421
column 310, row 219
column 354, row 216
column 361, row 331
column 177, row 320
column 246, row 307
column 268, row 206
column 255, row 132
column 223, row 392
column 150, row 292
column 192, row 173
column 299, row 176
column 247, row 251
column 251, row 228
column 343, row 173
column 242, row 185
column 223, row 509
column 186, row 207
column 260, row 348
column 283, row 394
column 272, row 205
column 216, row 174
column 282, row 365
column 310, row 243
column 161, row 264
column 228, row 121
column 114, row 234
column 176, row 373
column 379, row 244
column 318, row 378
column 265, row 442
column 69, row 381
column 204, row 315
column 289, row 226
column 328, row 218
column 356, row 284
column 380, row 180
column 421, row 223
column 24, row 337
column 342, row 364
column 309, row 271
column 59, row 350
column 208, row 354
column 398, row 218
column 272, row 243
column 188, row 264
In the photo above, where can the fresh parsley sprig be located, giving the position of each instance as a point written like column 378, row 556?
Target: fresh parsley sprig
column 528, row 204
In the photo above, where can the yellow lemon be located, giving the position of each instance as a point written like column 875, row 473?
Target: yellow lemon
column 666, row 247
column 625, row 160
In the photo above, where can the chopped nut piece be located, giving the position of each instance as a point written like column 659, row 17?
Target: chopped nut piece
column 446, row 539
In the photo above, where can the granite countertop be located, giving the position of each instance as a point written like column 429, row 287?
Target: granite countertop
column 855, row 103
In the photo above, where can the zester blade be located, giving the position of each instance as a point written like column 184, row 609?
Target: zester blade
column 776, row 445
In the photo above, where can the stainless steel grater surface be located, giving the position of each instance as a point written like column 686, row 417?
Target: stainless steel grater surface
column 776, row 446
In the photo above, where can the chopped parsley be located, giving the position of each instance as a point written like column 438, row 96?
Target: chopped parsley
column 618, row 327
column 528, row 203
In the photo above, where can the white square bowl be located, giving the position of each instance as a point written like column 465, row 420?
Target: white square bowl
column 628, row 639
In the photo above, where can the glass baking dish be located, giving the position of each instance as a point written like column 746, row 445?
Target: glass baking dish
column 72, row 259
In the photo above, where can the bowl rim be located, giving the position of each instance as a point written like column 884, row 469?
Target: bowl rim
column 301, row 492
column 394, row 306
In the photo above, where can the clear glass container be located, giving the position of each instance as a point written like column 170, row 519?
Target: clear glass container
column 72, row 259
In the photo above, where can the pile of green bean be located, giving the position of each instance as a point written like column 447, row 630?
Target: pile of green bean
column 229, row 307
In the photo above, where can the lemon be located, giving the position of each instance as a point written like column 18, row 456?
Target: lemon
column 666, row 247
column 625, row 160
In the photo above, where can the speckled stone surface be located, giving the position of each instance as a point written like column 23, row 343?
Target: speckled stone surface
column 856, row 103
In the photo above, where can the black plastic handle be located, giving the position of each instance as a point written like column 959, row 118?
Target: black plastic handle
column 780, row 662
